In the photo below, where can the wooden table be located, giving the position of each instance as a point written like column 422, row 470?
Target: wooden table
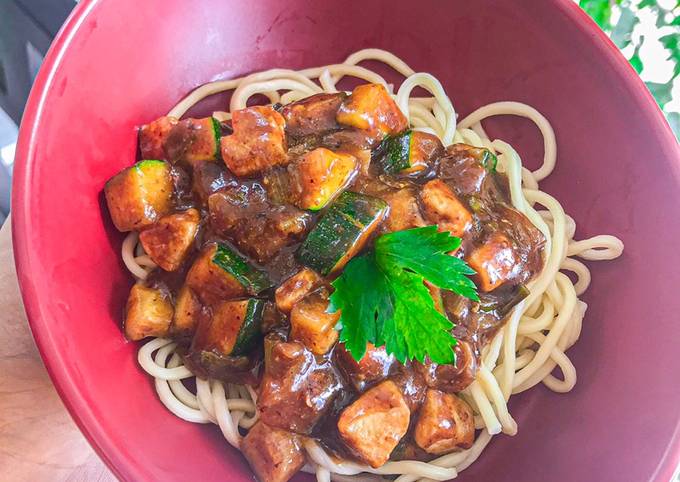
column 38, row 439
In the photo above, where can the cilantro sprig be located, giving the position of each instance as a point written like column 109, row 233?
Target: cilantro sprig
column 383, row 299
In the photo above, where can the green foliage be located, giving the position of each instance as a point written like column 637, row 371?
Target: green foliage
column 621, row 33
column 383, row 299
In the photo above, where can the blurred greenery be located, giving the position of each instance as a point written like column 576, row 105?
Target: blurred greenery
column 618, row 18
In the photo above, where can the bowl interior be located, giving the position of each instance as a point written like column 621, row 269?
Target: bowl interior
column 119, row 64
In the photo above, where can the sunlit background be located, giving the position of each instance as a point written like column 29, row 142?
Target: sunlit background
column 646, row 31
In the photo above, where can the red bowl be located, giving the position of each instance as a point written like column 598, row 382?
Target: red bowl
column 118, row 64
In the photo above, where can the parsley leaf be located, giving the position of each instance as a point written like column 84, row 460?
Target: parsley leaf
column 383, row 299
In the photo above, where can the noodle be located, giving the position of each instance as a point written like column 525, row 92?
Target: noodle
column 525, row 351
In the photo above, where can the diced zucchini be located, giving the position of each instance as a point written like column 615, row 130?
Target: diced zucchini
column 187, row 312
column 446, row 423
column 312, row 115
column 149, row 313
column 373, row 424
column 341, row 232
column 442, row 207
column 295, row 288
column 168, row 241
column 370, row 107
column 312, row 325
column 139, row 195
column 194, row 140
column 409, row 153
column 319, row 175
column 220, row 274
column 275, row 455
column 233, row 330
column 258, row 142
column 152, row 137
column 494, row 261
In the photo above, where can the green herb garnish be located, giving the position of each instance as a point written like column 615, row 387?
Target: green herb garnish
column 383, row 299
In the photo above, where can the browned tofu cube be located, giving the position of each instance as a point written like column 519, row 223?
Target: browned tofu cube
column 152, row 137
column 494, row 261
column 445, row 423
column 442, row 207
column 193, row 140
column 319, row 176
column 168, row 241
column 210, row 281
column 274, row 455
column 139, row 195
column 187, row 313
column 310, row 324
column 375, row 365
column 258, row 141
column 149, row 313
column 297, row 389
column 295, row 288
column 233, row 329
column 313, row 115
column 370, row 107
column 373, row 424
column 404, row 210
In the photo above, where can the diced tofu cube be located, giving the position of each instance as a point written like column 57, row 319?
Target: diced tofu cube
column 318, row 176
column 404, row 210
column 139, row 195
column 232, row 329
column 442, row 207
column 211, row 282
column 313, row 115
column 274, row 455
column 374, row 423
column 149, row 313
column 297, row 390
column 310, row 324
column 494, row 261
column 370, row 107
column 193, row 140
column 446, row 423
column 375, row 365
column 295, row 288
column 168, row 241
column 258, row 141
column 152, row 137
column 187, row 313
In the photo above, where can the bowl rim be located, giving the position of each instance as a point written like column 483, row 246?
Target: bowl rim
column 107, row 449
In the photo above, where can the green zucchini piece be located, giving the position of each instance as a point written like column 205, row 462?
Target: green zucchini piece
column 194, row 140
column 319, row 175
column 253, row 279
column 396, row 152
column 341, row 232
column 409, row 153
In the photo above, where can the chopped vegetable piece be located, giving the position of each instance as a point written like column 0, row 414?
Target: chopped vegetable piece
column 480, row 154
column 370, row 107
column 374, row 366
column 446, row 423
column 139, row 195
column 234, row 328
column 312, row 115
column 295, row 288
column 210, row 177
column 152, row 137
column 231, row 369
column 258, row 141
column 220, row 273
column 404, row 210
column 194, row 140
column 374, row 423
column 441, row 206
column 494, row 261
column 274, row 455
column 297, row 389
column 409, row 153
column 452, row 378
column 466, row 169
column 312, row 325
column 149, row 313
column 187, row 313
column 168, row 241
column 342, row 232
column 318, row 176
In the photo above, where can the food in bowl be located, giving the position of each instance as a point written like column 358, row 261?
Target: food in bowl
column 357, row 281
